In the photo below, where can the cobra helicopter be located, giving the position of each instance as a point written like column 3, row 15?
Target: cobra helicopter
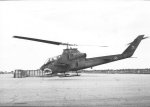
column 73, row 60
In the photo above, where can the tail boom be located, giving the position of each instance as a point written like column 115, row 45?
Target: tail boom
column 129, row 51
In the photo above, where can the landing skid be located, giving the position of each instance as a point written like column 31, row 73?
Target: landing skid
column 68, row 75
column 62, row 75
column 51, row 75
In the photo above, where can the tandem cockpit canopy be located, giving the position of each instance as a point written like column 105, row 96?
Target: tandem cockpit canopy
column 52, row 59
column 49, row 61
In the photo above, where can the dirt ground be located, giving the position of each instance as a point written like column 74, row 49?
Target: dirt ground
column 87, row 90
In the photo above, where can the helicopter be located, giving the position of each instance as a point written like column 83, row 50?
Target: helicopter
column 73, row 60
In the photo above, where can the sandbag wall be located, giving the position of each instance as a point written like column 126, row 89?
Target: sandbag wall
column 28, row 73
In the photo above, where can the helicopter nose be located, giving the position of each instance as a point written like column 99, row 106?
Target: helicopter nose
column 48, row 71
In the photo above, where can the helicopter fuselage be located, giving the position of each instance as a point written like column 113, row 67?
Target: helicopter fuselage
column 73, row 60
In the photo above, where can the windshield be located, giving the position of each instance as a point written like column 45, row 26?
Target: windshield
column 52, row 59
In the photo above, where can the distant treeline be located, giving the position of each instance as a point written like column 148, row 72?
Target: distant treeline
column 120, row 71
column 5, row 72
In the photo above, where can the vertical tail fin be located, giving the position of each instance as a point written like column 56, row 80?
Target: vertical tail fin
column 133, row 45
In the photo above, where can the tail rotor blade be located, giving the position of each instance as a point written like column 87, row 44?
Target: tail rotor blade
column 145, row 37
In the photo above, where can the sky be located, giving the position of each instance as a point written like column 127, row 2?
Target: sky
column 112, row 23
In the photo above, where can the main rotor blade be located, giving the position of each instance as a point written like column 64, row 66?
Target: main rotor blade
column 43, row 41
column 52, row 42
column 93, row 45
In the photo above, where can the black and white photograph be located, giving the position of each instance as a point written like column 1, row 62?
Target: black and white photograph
column 75, row 53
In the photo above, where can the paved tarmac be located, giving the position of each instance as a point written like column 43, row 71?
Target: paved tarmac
column 87, row 90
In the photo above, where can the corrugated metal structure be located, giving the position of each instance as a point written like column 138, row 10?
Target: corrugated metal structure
column 28, row 73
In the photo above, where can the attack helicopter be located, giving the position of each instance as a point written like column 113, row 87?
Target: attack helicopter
column 73, row 60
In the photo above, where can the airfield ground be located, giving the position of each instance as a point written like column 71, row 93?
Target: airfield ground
column 87, row 90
